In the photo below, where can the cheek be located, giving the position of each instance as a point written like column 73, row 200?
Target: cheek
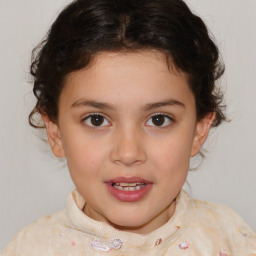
column 172, row 165
column 173, row 151
column 171, row 159
column 84, row 156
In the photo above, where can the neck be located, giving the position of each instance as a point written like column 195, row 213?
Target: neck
column 153, row 224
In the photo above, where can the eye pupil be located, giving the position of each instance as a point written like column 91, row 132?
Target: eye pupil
column 158, row 120
column 97, row 120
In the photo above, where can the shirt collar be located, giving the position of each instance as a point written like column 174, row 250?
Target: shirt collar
column 102, row 231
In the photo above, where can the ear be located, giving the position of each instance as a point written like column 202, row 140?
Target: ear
column 54, row 138
column 201, row 132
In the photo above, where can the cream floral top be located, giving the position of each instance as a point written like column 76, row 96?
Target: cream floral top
column 196, row 228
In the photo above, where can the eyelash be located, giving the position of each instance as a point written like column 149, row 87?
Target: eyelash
column 89, row 117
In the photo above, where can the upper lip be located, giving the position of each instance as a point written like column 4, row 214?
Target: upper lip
column 128, row 180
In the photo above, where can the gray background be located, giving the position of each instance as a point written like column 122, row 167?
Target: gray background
column 34, row 183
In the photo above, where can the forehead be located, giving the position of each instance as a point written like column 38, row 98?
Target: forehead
column 133, row 77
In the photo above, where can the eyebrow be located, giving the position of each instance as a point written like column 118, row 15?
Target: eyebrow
column 169, row 102
column 91, row 103
column 147, row 107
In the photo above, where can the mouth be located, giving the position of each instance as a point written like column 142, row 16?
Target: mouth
column 128, row 189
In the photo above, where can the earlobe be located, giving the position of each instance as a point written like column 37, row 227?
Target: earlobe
column 54, row 137
column 201, row 132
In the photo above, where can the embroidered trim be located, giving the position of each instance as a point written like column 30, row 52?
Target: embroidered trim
column 105, row 247
column 224, row 253
column 158, row 241
column 116, row 244
column 184, row 245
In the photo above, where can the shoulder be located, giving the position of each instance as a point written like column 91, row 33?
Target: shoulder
column 35, row 236
column 46, row 224
column 220, row 225
column 216, row 213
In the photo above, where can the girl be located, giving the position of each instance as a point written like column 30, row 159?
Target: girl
column 127, row 93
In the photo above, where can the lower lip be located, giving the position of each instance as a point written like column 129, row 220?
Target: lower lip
column 128, row 196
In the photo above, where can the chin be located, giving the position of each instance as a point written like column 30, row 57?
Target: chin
column 130, row 223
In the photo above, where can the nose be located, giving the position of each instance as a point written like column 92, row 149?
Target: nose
column 128, row 148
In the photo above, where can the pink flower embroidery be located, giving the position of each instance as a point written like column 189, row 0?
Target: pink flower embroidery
column 158, row 241
column 100, row 246
column 105, row 247
column 116, row 244
column 184, row 245
column 224, row 253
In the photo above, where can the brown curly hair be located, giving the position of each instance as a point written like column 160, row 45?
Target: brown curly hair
column 87, row 27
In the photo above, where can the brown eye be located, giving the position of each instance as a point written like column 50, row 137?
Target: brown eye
column 159, row 120
column 96, row 120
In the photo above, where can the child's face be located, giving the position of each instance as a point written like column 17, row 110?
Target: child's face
column 128, row 119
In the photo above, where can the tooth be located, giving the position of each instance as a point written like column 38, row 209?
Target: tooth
column 129, row 186
column 119, row 187
column 124, row 184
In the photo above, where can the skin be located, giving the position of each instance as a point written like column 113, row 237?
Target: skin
column 128, row 143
